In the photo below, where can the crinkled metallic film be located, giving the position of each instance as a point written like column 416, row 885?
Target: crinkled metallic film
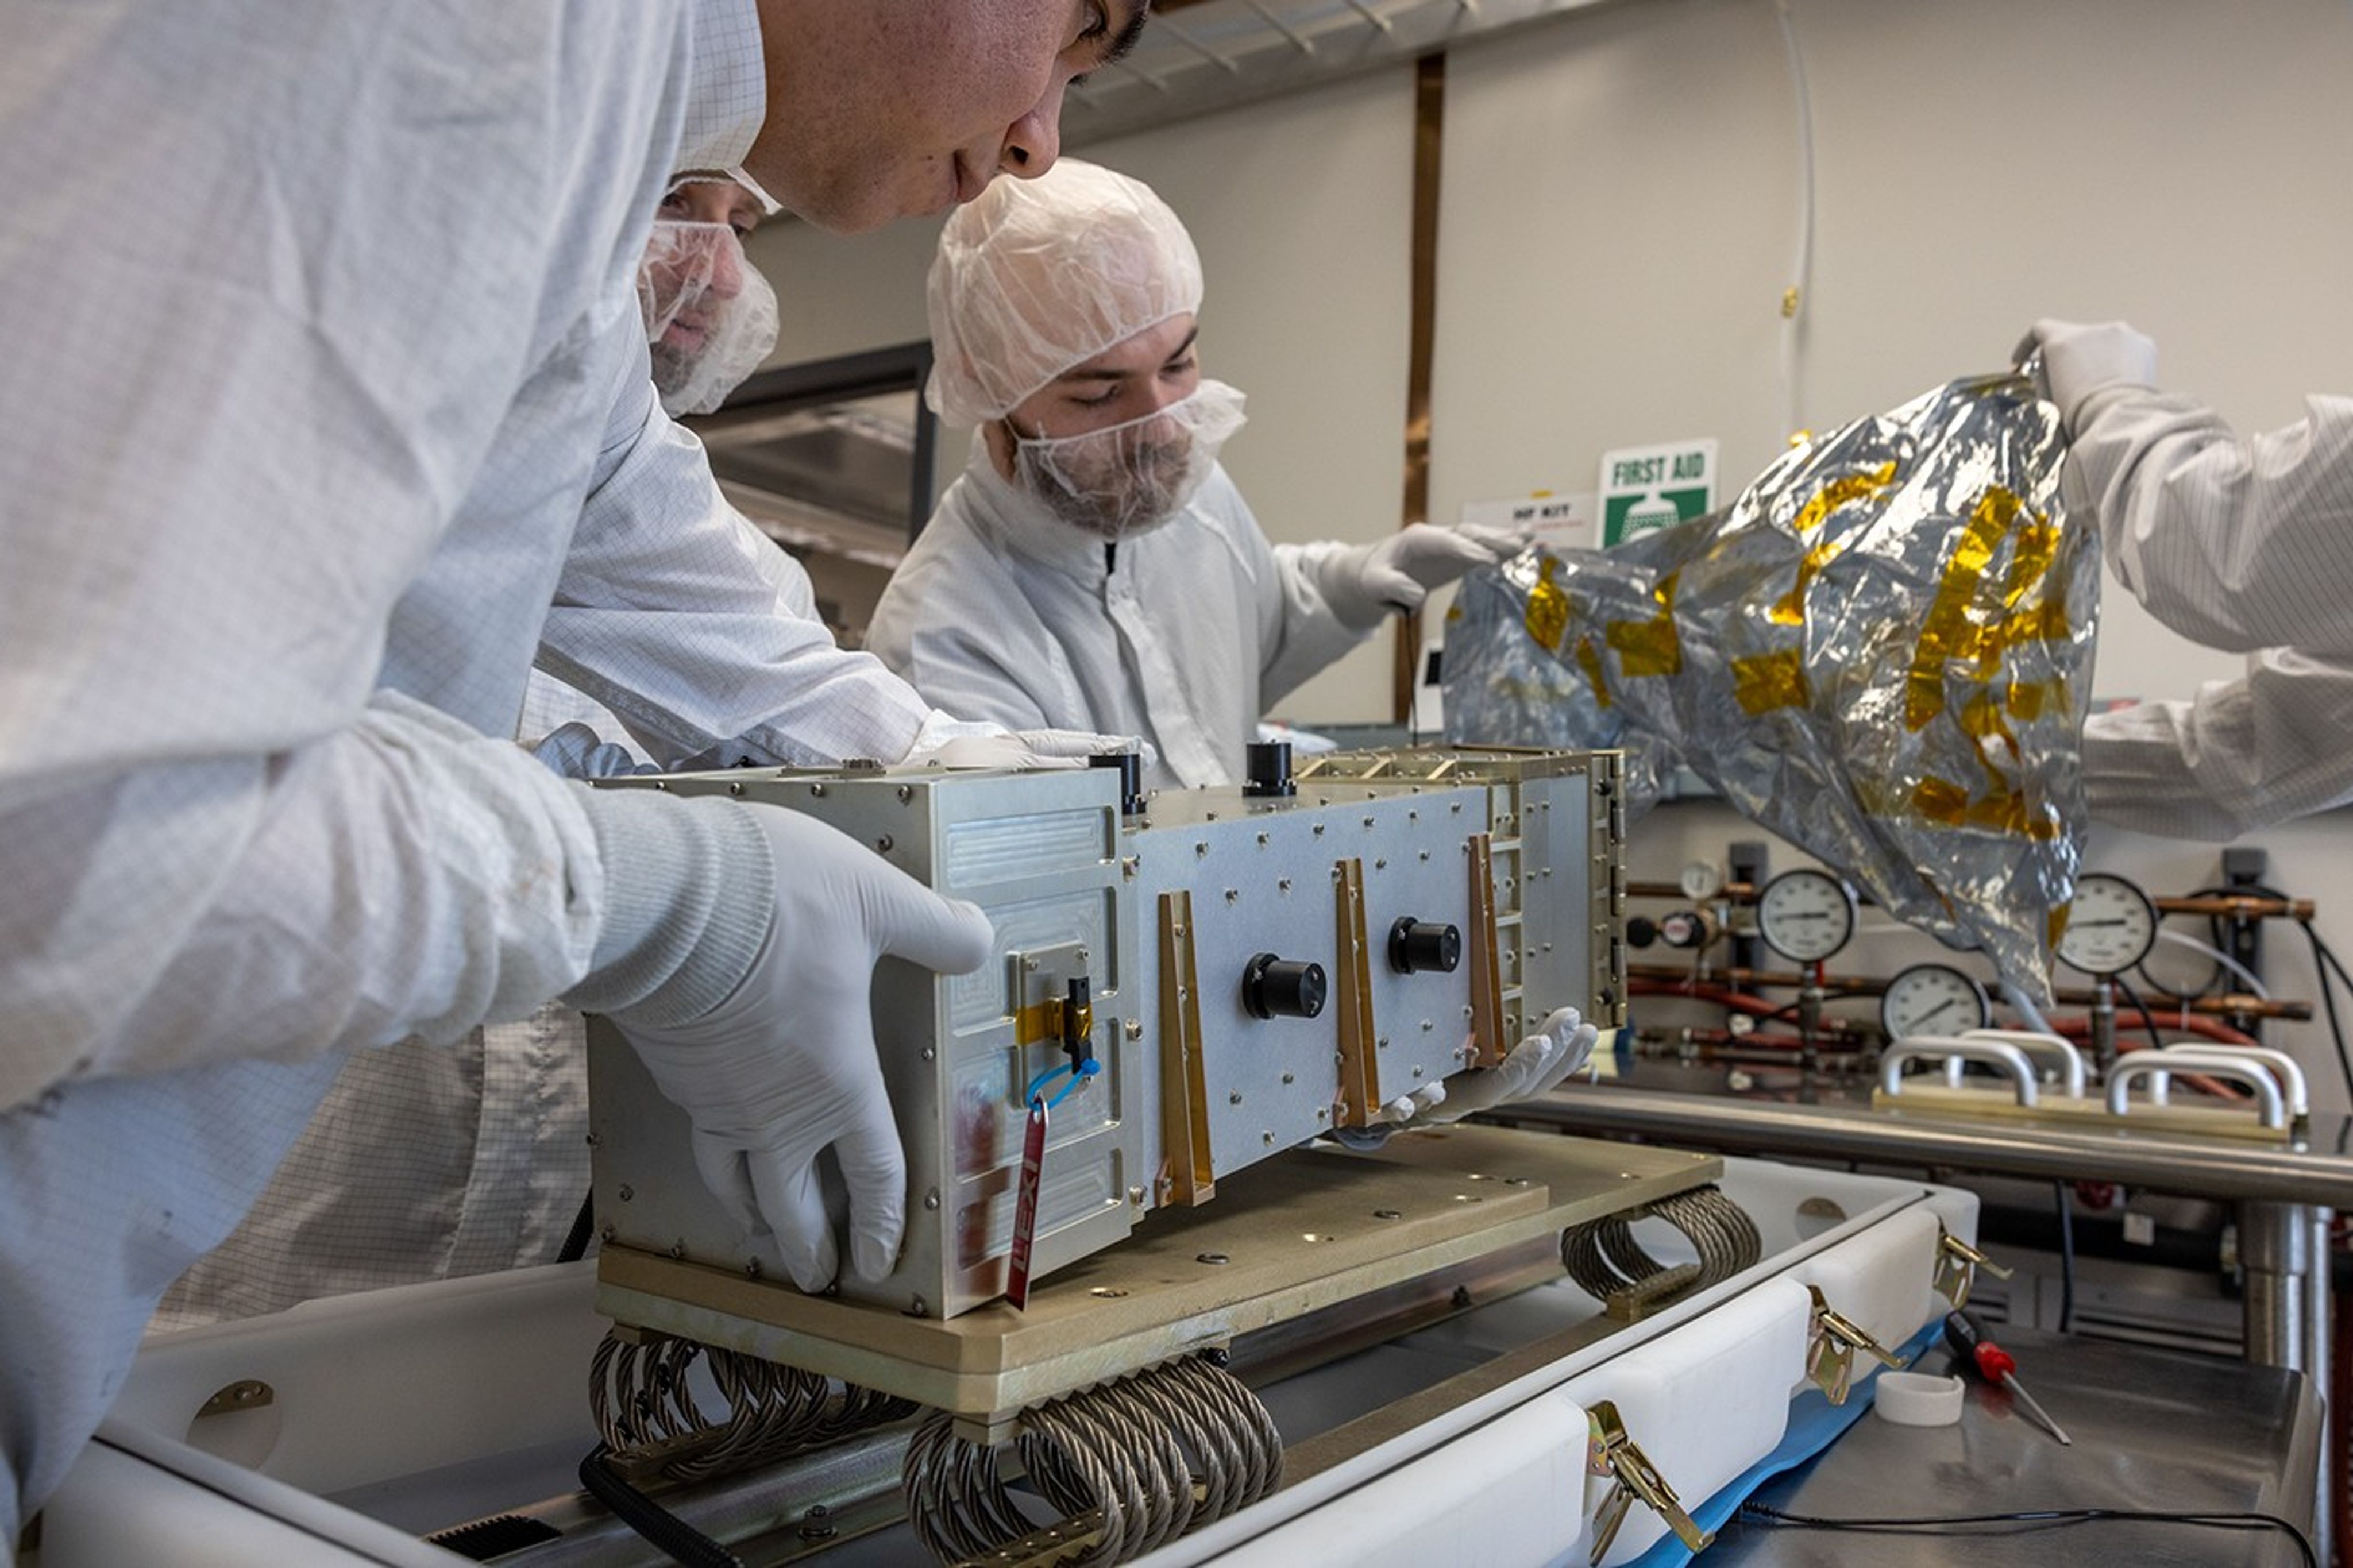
column 1882, row 651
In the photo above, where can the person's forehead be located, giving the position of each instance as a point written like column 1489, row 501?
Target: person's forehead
column 1147, row 350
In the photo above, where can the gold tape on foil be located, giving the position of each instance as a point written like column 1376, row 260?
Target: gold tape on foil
column 1649, row 648
column 1548, row 616
column 1790, row 610
column 1769, row 680
column 1950, row 635
column 1589, row 660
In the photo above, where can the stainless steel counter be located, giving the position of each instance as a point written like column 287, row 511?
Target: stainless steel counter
column 2154, row 1430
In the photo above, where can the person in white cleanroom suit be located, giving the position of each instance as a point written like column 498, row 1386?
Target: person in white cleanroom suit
column 2239, row 542
column 1093, row 567
column 430, row 1161
column 287, row 509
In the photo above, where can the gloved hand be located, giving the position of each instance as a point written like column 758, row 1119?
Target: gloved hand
column 1021, row 749
column 1399, row 573
column 787, row 1066
column 1534, row 1066
column 2079, row 360
column 948, row 742
column 575, row 750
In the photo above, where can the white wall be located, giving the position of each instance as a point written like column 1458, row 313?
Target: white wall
column 1621, row 211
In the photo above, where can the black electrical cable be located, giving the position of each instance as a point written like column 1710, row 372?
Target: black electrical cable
column 1938, row 1523
column 2321, row 960
column 2147, row 1017
column 575, row 1240
column 2066, row 1258
column 679, row 1540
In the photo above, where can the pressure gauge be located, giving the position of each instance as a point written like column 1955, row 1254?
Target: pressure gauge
column 1932, row 999
column 1701, row 881
column 1804, row 915
column 2111, row 926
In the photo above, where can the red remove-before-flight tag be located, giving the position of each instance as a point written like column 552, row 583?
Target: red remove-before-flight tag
column 1025, row 1206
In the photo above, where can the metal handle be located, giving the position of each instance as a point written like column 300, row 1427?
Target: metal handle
column 1953, row 1050
column 2155, row 1065
column 2041, row 1047
column 2284, row 1067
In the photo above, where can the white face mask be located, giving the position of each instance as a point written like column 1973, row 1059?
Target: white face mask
column 710, row 317
column 1130, row 478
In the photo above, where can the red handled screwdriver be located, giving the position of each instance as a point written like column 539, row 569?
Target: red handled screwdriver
column 1967, row 1338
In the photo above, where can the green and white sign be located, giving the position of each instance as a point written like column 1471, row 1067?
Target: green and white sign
column 1647, row 487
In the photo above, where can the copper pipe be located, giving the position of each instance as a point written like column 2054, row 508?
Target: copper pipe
column 2159, row 1005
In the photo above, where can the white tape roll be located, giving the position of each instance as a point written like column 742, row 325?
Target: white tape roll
column 1916, row 1399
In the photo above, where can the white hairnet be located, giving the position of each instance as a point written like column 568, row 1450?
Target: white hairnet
column 711, row 317
column 1036, row 275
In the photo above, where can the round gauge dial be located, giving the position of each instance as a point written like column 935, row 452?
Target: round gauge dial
column 1932, row 999
column 1804, row 915
column 2111, row 926
column 1701, row 881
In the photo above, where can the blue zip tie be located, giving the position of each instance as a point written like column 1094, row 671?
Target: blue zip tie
column 1085, row 1069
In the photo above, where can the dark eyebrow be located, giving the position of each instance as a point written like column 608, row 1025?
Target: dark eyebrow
column 1181, row 350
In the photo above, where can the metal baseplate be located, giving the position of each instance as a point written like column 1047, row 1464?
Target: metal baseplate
column 1304, row 1231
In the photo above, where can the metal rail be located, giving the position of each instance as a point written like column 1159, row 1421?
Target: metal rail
column 2154, row 1161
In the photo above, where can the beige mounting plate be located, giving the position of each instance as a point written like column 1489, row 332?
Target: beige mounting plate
column 1304, row 1231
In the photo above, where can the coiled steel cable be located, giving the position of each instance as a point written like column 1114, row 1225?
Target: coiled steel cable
column 642, row 1399
column 1609, row 1264
column 1141, row 1459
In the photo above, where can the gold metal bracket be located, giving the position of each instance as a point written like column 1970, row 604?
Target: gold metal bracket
column 1360, row 1075
column 1831, row 1341
column 1614, row 1454
column 1957, row 1266
column 1486, row 962
column 1187, row 1175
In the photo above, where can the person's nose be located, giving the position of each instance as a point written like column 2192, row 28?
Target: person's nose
column 1033, row 141
column 726, row 270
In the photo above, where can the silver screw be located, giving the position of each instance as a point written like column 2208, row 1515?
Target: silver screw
column 627, row 1192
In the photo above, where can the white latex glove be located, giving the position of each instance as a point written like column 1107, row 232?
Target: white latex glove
column 1021, row 749
column 575, row 751
column 1534, row 1066
column 1400, row 571
column 2079, row 360
column 950, row 743
column 787, row 1066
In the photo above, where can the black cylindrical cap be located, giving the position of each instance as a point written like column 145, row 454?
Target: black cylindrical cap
column 1131, row 778
column 1416, row 946
column 1268, row 770
column 1282, row 988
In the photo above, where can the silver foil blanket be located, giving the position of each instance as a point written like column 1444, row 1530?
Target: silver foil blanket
column 1882, row 651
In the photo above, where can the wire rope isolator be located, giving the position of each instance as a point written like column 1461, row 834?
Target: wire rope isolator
column 2111, row 926
column 1129, row 1464
column 1952, row 1054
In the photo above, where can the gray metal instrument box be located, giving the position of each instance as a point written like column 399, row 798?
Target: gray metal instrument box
column 1173, row 948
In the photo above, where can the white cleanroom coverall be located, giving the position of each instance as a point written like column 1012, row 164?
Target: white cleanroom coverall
column 1182, row 634
column 2244, row 543
column 2275, row 742
column 286, row 509
column 2238, row 542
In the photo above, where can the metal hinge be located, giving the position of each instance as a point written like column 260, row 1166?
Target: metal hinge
column 1831, row 1343
column 1614, row 1454
column 1957, row 1266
